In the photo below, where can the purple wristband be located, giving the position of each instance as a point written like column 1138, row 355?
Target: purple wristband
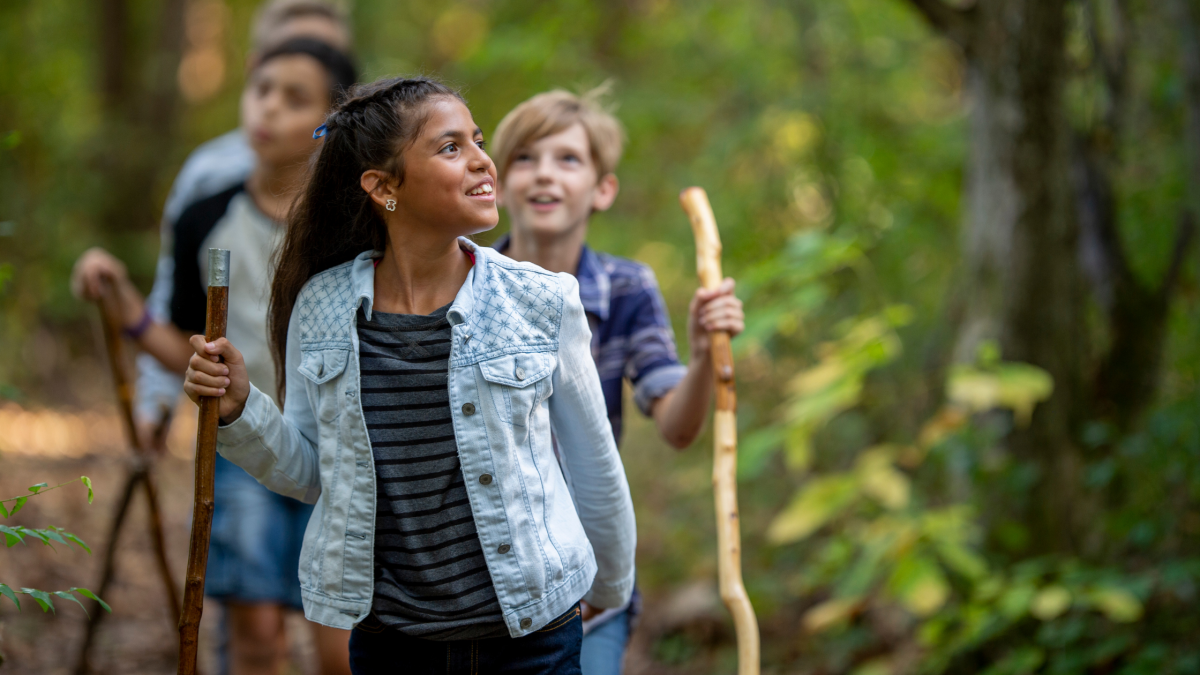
column 143, row 323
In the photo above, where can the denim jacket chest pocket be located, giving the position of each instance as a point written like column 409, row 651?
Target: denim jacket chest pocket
column 520, row 382
column 320, row 366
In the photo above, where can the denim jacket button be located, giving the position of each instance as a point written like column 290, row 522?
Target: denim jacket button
column 504, row 548
column 520, row 373
column 486, row 479
column 468, row 408
column 526, row 623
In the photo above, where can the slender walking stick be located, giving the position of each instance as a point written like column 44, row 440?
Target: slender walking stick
column 206, row 448
column 729, row 551
column 116, row 359
column 139, row 476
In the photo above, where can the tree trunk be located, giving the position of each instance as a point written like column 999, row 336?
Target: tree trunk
column 139, row 91
column 1019, row 239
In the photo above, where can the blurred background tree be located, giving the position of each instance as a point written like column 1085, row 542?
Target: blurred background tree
column 963, row 229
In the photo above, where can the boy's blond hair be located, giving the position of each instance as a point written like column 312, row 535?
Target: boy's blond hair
column 554, row 111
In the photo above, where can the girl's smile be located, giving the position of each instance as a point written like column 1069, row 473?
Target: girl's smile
column 484, row 191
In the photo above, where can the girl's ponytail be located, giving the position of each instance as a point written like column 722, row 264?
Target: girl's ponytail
column 334, row 219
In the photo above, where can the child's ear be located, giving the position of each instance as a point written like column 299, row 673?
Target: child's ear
column 605, row 192
column 379, row 185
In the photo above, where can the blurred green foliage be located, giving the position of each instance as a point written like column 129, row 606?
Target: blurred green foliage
column 832, row 139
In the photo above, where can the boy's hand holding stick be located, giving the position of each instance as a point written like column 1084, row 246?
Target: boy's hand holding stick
column 729, row 553
column 206, row 447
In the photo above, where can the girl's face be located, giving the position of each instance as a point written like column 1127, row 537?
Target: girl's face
column 448, row 179
column 285, row 99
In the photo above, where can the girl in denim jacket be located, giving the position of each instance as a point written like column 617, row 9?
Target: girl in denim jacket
column 421, row 376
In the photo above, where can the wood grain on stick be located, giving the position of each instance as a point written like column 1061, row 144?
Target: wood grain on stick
column 206, row 449
column 729, row 553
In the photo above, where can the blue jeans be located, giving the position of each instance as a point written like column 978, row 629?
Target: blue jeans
column 256, row 536
column 604, row 646
column 376, row 649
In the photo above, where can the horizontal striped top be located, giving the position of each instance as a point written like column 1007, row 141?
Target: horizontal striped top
column 431, row 579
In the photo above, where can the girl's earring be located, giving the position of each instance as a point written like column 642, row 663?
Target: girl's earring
column 391, row 205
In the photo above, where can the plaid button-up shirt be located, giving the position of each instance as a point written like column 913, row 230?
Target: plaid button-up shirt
column 631, row 332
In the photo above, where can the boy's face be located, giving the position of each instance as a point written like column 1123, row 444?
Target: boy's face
column 551, row 187
column 285, row 99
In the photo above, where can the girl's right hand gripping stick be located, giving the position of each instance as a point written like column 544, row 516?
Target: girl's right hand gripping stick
column 729, row 552
column 206, row 449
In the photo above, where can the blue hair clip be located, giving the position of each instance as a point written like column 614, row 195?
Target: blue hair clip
column 319, row 131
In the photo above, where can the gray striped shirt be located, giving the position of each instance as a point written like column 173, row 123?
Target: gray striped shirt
column 431, row 579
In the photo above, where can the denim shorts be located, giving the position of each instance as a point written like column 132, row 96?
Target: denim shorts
column 254, row 556
column 553, row 650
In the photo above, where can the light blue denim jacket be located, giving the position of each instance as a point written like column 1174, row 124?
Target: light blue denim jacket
column 520, row 364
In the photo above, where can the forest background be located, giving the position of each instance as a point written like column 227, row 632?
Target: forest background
column 963, row 232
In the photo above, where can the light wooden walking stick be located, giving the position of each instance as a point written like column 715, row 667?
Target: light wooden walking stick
column 206, row 449
column 729, row 546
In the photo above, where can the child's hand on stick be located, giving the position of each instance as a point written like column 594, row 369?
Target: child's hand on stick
column 95, row 268
column 207, row 375
column 712, row 311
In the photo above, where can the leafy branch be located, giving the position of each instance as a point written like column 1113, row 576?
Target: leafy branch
column 44, row 600
column 17, row 534
column 40, row 488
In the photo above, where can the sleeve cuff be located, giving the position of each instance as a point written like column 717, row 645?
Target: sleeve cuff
column 610, row 595
column 657, row 383
column 249, row 425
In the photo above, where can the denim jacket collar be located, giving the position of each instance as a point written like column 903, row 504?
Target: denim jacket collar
column 595, row 284
column 362, row 278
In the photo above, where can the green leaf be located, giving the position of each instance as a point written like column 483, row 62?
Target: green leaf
column 1118, row 604
column 34, row 488
column 1016, row 600
column 1016, row 386
column 815, row 504
column 9, row 593
column 53, row 535
column 881, row 481
column 88, row 594
column 36, row 535
column 67, row 595
column 919, row 584
column 12, row 535
column 42, row 598
column 77, row 541
column 3, row 510
column 88, row 482
column 17, row 507
column 830, row 613
column 1050, row 603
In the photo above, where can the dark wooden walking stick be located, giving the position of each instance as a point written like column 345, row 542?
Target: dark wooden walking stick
column 139, row 476
column 206, row 449
column 729, row 546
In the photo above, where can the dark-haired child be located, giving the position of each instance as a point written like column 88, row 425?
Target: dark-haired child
column 422, row 377
column 557, row 154
column 255, row 552
column 214, row 167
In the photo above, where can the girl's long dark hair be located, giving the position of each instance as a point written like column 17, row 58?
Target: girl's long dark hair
column 334, row 219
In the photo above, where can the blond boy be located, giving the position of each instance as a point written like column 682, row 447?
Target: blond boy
column 557, row 155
